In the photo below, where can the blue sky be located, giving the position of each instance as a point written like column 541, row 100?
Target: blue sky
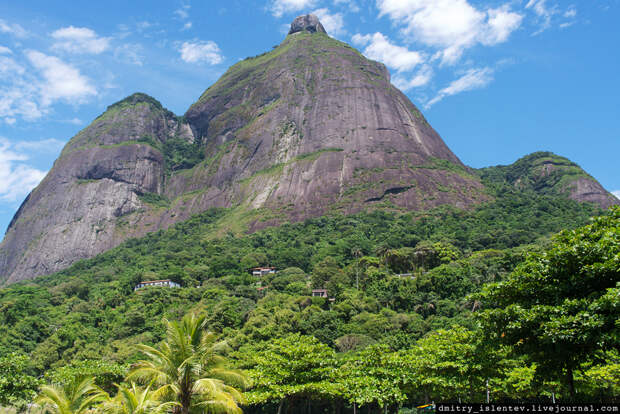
column 498, row 79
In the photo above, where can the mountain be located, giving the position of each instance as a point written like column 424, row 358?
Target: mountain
column 547, row 173
column 309, row 128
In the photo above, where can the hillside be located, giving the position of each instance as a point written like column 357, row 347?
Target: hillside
column 95, row 304
column 548, row 173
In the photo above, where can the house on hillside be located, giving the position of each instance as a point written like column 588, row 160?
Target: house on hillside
column 152, row 283
column 262, row 271
column 319, row 293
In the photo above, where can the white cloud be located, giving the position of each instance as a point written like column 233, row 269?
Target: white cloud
column 333, row 23
column 201, row 51
column 130, row 53
column 5, row 51
column 450, row 25
column 142, row 26
column 571, row 12
column 182, row 12
column 19, row 92
column 74, row 121
column 545, row 14
column 17, row 179
column 61, row 81
column 280, row 7
column 501, row 23
column 47, row 145
column 187, row 26
column 380, row 48
column 28, row 91
column 351, row 5
column 79, row 40
column 616, row 193
column 472, row 79
column 12, row 29
column 420, row 78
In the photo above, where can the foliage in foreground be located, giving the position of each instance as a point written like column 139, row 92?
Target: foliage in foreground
column 561, row 307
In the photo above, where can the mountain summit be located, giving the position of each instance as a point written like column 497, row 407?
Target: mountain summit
column 309, row 23
column 309, row 128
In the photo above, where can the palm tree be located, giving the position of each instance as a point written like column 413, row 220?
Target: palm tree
column 76, row 397
column 186, row 368
column 136, row 400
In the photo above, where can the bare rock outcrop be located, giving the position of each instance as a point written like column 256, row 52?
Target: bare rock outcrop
column 307, row 22
column 78, row 209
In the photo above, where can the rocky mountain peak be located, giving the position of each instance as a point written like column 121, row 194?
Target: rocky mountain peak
column 138, row 98
column 307, row 22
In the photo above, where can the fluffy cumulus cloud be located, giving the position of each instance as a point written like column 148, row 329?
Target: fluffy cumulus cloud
column 17, row 178
column 201, row 51
column 616, row 193
column 28, row 87
column 5, row 51
column 379, row 47
column 450, row 26
column 79, row 40
column 281, row 7
column 332, row 22
column 471, row 79
column 61, row 81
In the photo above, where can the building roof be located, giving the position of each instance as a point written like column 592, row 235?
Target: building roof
column 156, row 281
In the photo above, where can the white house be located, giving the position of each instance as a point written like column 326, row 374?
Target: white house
column 151, row 283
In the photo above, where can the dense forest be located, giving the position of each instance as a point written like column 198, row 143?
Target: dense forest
column 518, row 297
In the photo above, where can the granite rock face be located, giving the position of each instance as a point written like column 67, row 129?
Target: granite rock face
column 311, row 127
column 75, row 211
column 309, row 23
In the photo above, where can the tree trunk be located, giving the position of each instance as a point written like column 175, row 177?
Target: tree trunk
column 571, row 382
column 281, row 405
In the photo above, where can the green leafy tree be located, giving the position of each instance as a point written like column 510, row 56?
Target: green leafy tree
column 76, row 397
column 293, row 368
column 373, row 376
column 448, row 364
column 17, row 386
column 188, row 369
column 562, row 306
column 105, row 373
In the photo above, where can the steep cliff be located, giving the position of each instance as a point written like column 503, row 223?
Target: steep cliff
column 99, row 177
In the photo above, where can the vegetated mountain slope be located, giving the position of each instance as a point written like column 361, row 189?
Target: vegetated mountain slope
column 89, row 310
column 309, row 128
column 547, row 173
